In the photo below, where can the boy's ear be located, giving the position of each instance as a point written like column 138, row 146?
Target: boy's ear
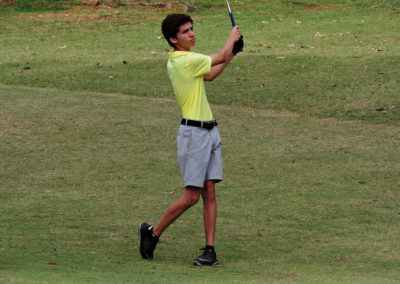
column 174, row 40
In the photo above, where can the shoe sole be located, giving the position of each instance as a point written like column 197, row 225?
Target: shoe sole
column 197, row 263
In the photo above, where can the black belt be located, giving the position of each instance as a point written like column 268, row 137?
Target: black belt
column 203, row 124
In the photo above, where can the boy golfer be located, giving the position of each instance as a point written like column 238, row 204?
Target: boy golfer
column 198, row 139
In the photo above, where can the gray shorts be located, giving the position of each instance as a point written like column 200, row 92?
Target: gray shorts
column 199, row 155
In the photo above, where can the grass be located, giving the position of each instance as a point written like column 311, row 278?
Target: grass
column 335, row 61
column 310, row 129
column 317, row 198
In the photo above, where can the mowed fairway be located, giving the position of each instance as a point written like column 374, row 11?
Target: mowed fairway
column 311, row 153
column 305, row 199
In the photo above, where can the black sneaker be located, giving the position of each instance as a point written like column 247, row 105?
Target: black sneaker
column 209, row 257
column 148, row 241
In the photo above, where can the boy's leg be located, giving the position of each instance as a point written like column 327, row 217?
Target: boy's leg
column 209, row 211
column 149, row 235
column 190, row 197
column 209, row 257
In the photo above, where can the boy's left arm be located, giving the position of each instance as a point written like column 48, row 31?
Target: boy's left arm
column 216, row 70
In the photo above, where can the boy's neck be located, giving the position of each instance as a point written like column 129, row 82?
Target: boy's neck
column 177, row 49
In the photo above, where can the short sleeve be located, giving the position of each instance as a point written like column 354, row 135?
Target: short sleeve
column 199, row 64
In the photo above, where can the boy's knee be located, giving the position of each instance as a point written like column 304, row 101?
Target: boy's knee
column 209, row 197
column 193, row 200
column 209, row 189
column 192, row 196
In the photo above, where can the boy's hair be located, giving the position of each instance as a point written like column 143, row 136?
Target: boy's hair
column 170, row 25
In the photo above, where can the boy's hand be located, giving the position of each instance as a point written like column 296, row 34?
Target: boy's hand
column 238, row 46
column 237, row 38
column 235, row 34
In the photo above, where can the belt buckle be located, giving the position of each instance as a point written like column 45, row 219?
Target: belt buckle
column 209, row 125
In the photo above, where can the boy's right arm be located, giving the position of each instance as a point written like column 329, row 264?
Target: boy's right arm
column 220, row 60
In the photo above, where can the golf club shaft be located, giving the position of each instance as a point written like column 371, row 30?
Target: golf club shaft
column 230, row 13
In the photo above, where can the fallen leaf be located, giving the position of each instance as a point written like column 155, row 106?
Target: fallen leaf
column 62, row 46
column 264, row 44
column 51, row 263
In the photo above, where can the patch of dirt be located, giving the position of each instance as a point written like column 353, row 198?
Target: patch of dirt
column 186, row 7
column 317, row 7
column 97, row 11
column 330, row 7
column 180, row 6
column 78, row 15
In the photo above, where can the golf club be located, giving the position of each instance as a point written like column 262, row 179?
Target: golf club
column 238, row 47
column 230, row 14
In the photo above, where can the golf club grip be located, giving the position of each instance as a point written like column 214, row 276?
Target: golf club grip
column 232, row 20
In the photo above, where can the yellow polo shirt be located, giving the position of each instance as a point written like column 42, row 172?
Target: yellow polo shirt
column 186, row 70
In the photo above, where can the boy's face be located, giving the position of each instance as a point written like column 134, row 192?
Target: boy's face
column 185, row 38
